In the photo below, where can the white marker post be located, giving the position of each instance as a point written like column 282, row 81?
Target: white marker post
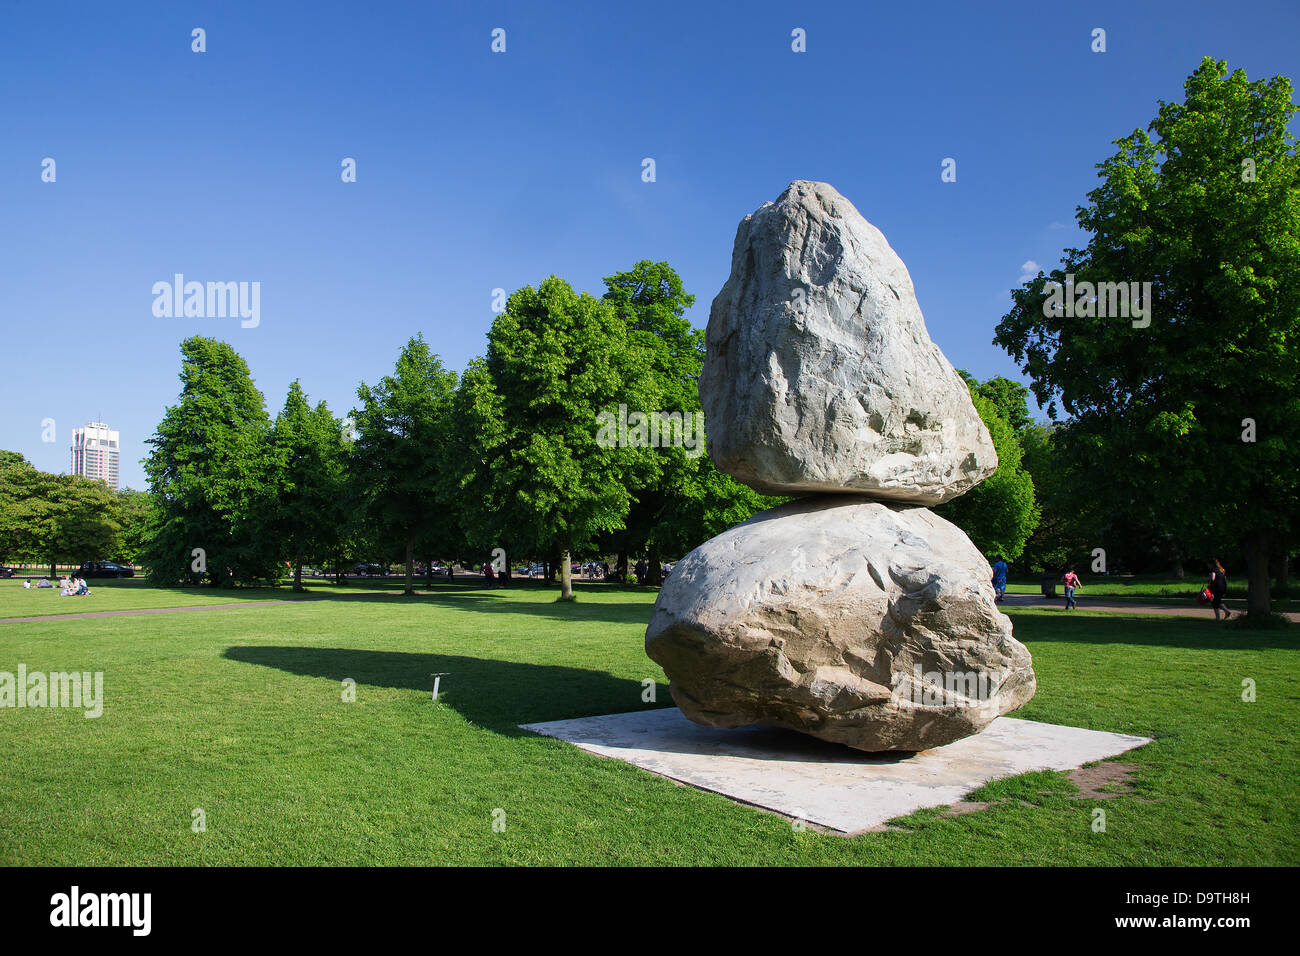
column 437, row 678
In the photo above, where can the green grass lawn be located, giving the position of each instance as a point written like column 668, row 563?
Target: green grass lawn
column 240, row 712
column 126, row 594
column 130, row 594
column 1153, row 589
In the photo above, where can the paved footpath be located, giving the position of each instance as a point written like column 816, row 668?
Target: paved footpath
column 1084, row 603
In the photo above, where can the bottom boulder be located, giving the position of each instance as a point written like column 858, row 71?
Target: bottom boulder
column 863, row 623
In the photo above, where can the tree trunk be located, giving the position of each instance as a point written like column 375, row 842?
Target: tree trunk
column 54, row 571
column 297, row 571
column 620, row 568
column 410, row 566
column 428, row 574
column 654, row 570
column 1179, row 571
column 566, row 576
column 1255, row 544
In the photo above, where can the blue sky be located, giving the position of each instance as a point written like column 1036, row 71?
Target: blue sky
column 478, row 170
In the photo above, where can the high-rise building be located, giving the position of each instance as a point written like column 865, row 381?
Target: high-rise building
column 95, row 453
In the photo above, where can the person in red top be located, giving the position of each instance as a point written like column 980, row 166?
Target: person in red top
column 1071, row 581
column 1218, row 589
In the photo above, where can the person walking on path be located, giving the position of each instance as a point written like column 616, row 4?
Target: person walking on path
column 1071, row 581
column 1218, row 589
column 1000, row 577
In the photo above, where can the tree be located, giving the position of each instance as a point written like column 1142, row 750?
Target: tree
column 15, row 540
column 1010, row 399
column 210, row 465
column 535, row 471
column 999, row 513
column 403, row 455
column 135, row 515
column 1190, row 409
column 1068, row 526
column 311, row 450
column 62, row 519
column 684, row 500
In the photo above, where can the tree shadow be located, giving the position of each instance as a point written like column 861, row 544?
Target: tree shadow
column 468, row 595
column 610, row 612
column 494, row 694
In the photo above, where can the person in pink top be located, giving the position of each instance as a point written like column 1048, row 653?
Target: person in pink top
column 1071, row 581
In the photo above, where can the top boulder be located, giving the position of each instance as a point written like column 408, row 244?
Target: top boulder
column 819, row 375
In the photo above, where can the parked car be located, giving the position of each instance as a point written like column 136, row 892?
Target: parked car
column 105, row 569
column 371, row 570
column 7, row 572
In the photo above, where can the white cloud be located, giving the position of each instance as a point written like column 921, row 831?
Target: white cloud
column 1028, row 270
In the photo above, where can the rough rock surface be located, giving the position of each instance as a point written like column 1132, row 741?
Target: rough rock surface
column 819, row 374
column 837, row 617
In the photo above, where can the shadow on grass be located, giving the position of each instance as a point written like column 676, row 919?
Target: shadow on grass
column 494, row 694
column 499, row 695
column 1115, row 628
column 546, row 605
column 470, row 595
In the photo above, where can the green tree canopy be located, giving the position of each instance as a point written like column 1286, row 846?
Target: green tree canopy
column 60, row 519
column 404, row 455
column 1000, row 513
column 1194, row 417
column 312, row 454
column 208, row 471
column 136, row 516
column 686, row 500
column 530, row 410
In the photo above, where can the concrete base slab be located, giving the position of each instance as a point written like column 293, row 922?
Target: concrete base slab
column 828, row 784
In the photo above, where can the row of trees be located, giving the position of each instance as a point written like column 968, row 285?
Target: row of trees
column 1181, row 438
column 66, row 519
column 431, row 463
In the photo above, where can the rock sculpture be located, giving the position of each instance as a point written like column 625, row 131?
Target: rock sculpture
column 855, row 615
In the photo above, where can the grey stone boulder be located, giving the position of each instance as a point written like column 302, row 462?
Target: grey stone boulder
column 819, row 375
column 866, row 623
